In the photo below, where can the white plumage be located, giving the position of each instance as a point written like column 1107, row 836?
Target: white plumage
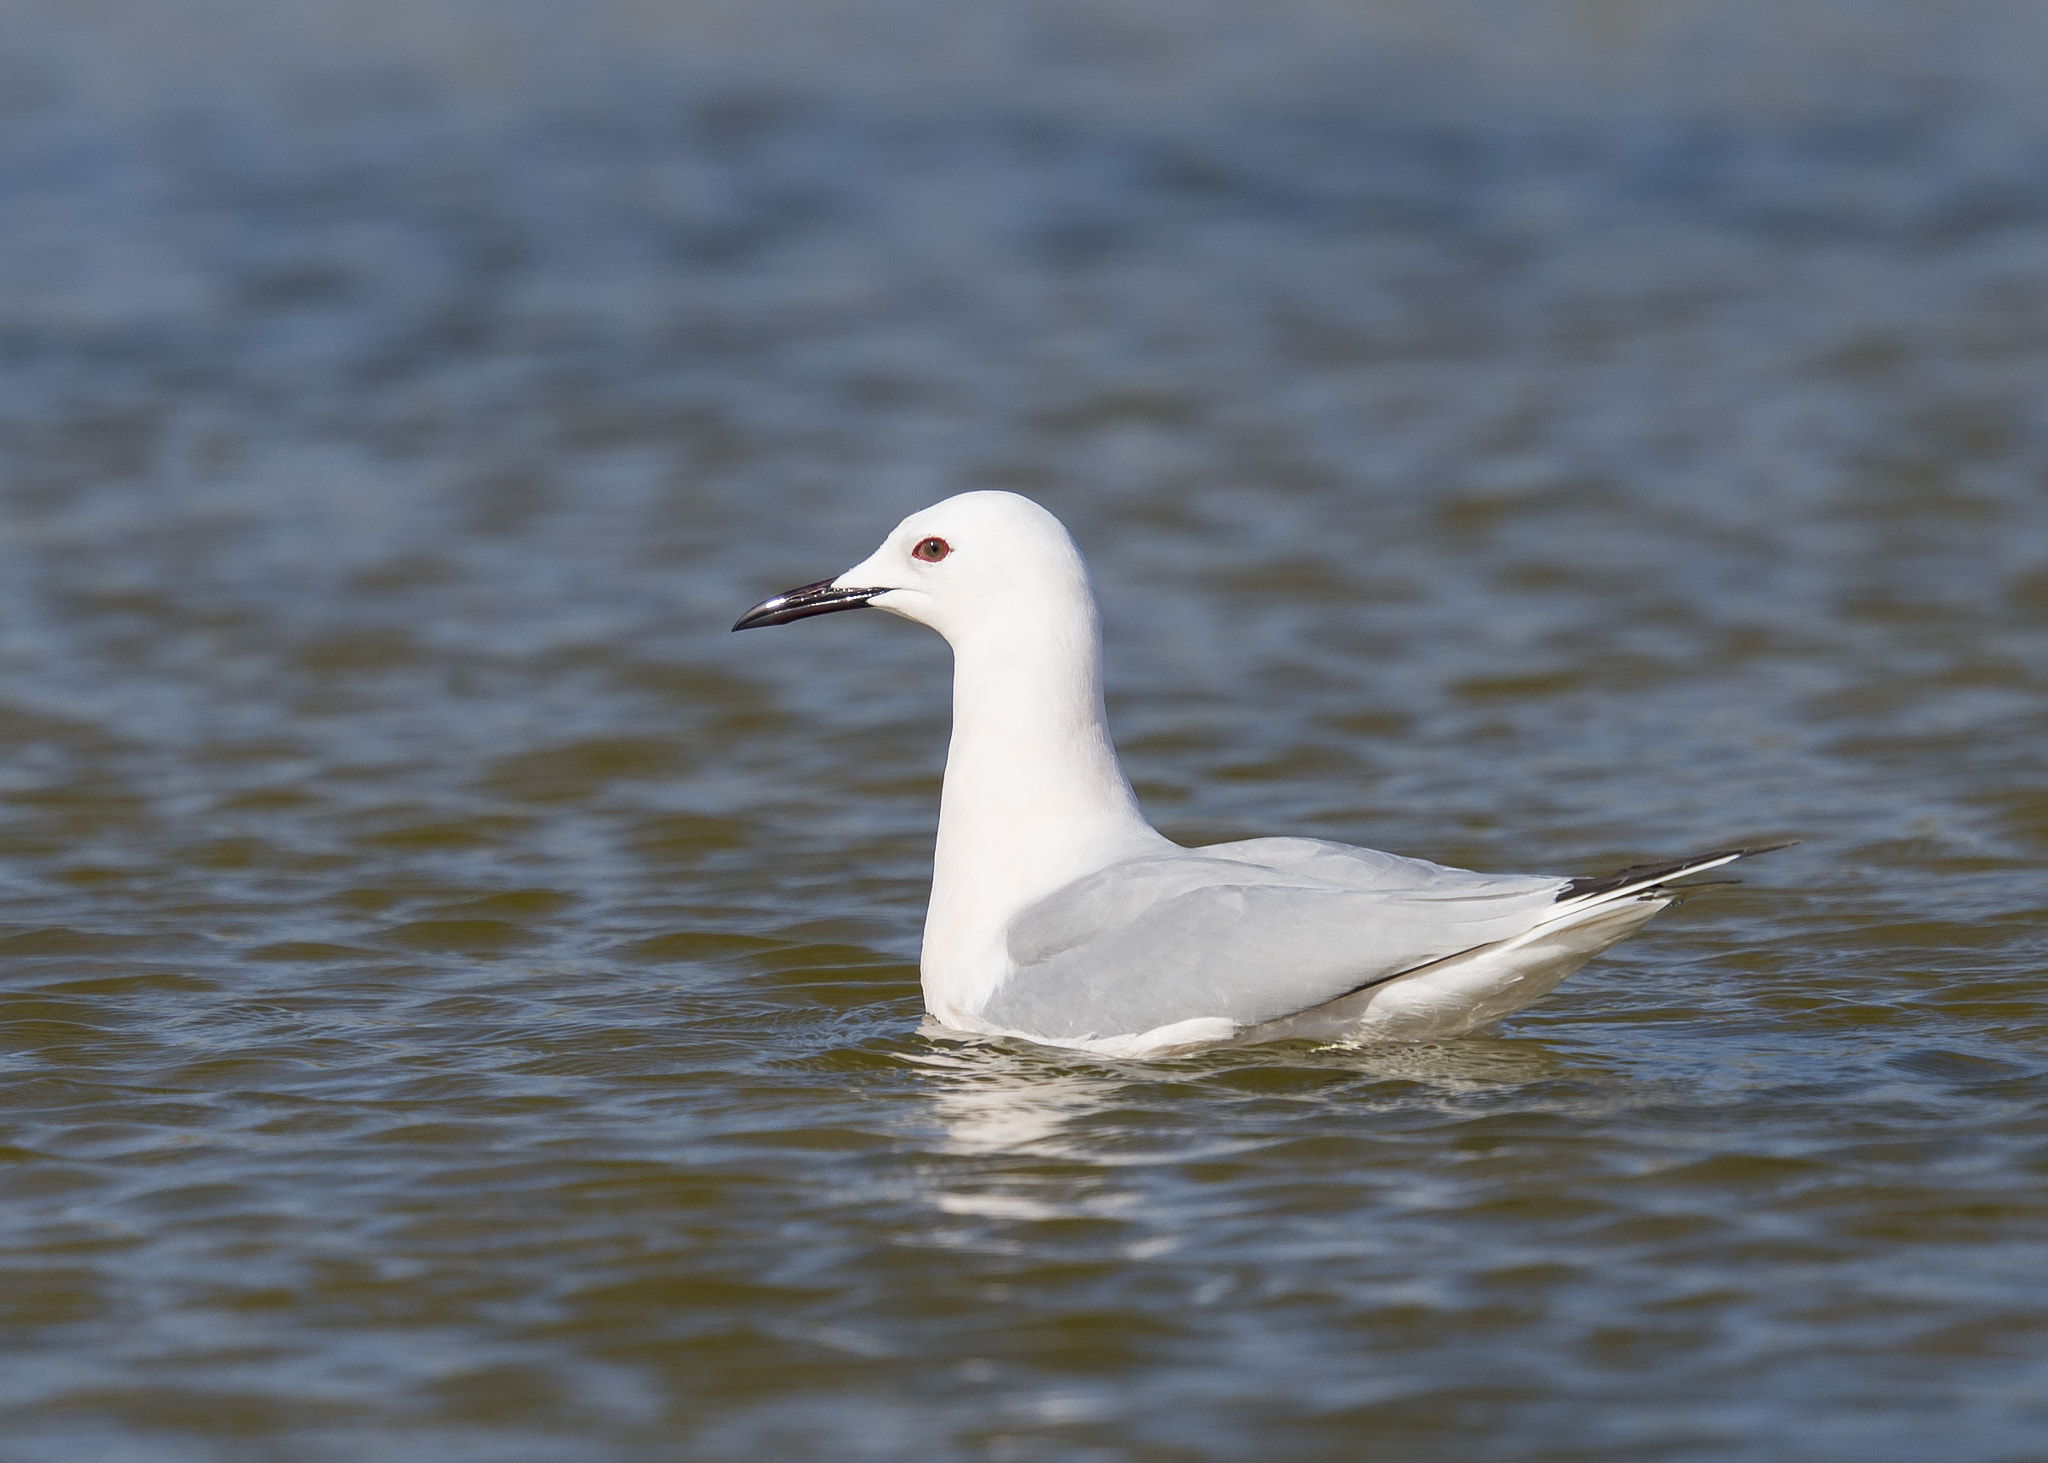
column 1060, row 915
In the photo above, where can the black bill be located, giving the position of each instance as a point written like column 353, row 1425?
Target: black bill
column 803, row 602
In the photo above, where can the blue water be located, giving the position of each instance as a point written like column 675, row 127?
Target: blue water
column 457, row 1002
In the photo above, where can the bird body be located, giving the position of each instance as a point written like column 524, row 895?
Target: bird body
column 1059, row 914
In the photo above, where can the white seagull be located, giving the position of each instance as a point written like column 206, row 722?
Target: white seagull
column 1058, row 914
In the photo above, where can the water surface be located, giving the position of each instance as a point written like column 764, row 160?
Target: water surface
column 459, row 1003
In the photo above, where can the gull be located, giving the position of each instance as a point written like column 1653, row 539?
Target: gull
column 1060, row 915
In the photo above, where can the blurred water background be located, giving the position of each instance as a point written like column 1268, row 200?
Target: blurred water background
column 457, row 1003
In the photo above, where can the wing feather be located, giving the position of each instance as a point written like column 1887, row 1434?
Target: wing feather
column 1249, row 932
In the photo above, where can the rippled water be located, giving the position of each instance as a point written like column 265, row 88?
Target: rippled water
column 459, row 1003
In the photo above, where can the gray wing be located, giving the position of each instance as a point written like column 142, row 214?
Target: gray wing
column 1248, row 931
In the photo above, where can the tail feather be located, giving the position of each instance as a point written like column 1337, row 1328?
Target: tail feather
column 1587, row 902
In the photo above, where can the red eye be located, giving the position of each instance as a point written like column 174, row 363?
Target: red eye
column 932, row 550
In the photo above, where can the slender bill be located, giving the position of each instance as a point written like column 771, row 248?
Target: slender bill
column 802, row 602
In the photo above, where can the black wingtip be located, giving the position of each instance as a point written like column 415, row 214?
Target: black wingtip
column 1648, row 875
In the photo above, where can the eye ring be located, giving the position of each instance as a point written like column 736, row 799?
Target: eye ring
column 931, row 550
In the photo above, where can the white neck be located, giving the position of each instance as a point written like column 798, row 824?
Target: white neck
column 1034, row 795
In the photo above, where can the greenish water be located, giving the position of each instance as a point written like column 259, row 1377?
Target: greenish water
column 457, row 1002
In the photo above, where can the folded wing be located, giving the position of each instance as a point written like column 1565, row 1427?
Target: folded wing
column 1249, row 932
